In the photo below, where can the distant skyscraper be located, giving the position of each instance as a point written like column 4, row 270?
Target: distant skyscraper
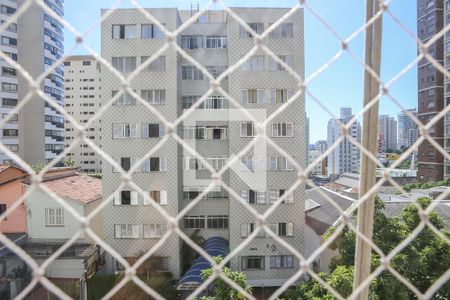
column 346, row 156
column 387, row 133
column 407, row 129
column 322, row 146
column 430, row 16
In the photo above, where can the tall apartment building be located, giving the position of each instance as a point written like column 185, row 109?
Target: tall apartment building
column 407, row 129
column 9, row 81
column 430, row 15
column 446, row 102
column 346, row 156
column 82, row 101
column 40, row 44
column 171, row 175
column 387, row 133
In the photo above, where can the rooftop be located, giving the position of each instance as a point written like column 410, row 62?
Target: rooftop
column 81, row 188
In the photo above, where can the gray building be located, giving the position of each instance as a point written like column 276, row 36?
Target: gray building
column 387, row 133
column 40, row 44
column 82, row 101
column 216, row 129
column 407, row 129
column 346, row 156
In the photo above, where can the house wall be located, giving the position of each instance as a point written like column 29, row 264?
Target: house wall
column 17, row 220
column 37, row 202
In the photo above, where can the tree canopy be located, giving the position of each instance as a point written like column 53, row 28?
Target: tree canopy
column 422, row 262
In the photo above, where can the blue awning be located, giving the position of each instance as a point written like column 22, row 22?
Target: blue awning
column 214, row 246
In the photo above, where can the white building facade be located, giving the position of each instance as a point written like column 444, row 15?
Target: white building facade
column 82, row 101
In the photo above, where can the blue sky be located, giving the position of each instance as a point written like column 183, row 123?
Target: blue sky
column 342, row 83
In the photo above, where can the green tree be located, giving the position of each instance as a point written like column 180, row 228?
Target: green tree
column 221, row 290
column 422, row 262
column 69, row 162
column 37, row 167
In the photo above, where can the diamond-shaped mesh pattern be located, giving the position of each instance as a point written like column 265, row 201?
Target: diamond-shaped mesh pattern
column 172, row 117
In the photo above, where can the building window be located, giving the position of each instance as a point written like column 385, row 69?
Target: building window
column 11, row 27
column 188, row 101
column 191, row 41
column 154, row 97
column 124, row 64
column 13, row 118
column 282, row 262
column 152, row 130
column 254, row 197
column 253, row 63
column 12, row 147
column 124, row 31
column 279, row 163
column 247, row 229
column 154, row 231
column 194, row 222
column 54, row 217
column 283, row 229
column 276, row 194
column 9, row 102
column 247, row 129
column 13, row 56
column 191, row 73
column 9, row 72
column 216, row 132
column 216, row 42
column 215, row 71
column 6, row 10
column 276, row 66
column 124, row 99
column 121, row 131
column 154, row 164
column 252, row 263
column 249, row 163
column 157, row 196
column 126, row 231
column 194, row 133
column 252, row 96
column 284, row 30
column 86, row 63
column 158, row 65
column 282, row 129
column 126, row 198
column 430, row 4
column 151, row 31
column 280, row 95
column 217, row 222
column 9, row 87
column 217, row 162
column 193, row 163
column 9, row 41
column 256, row 27
column 10, row 132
